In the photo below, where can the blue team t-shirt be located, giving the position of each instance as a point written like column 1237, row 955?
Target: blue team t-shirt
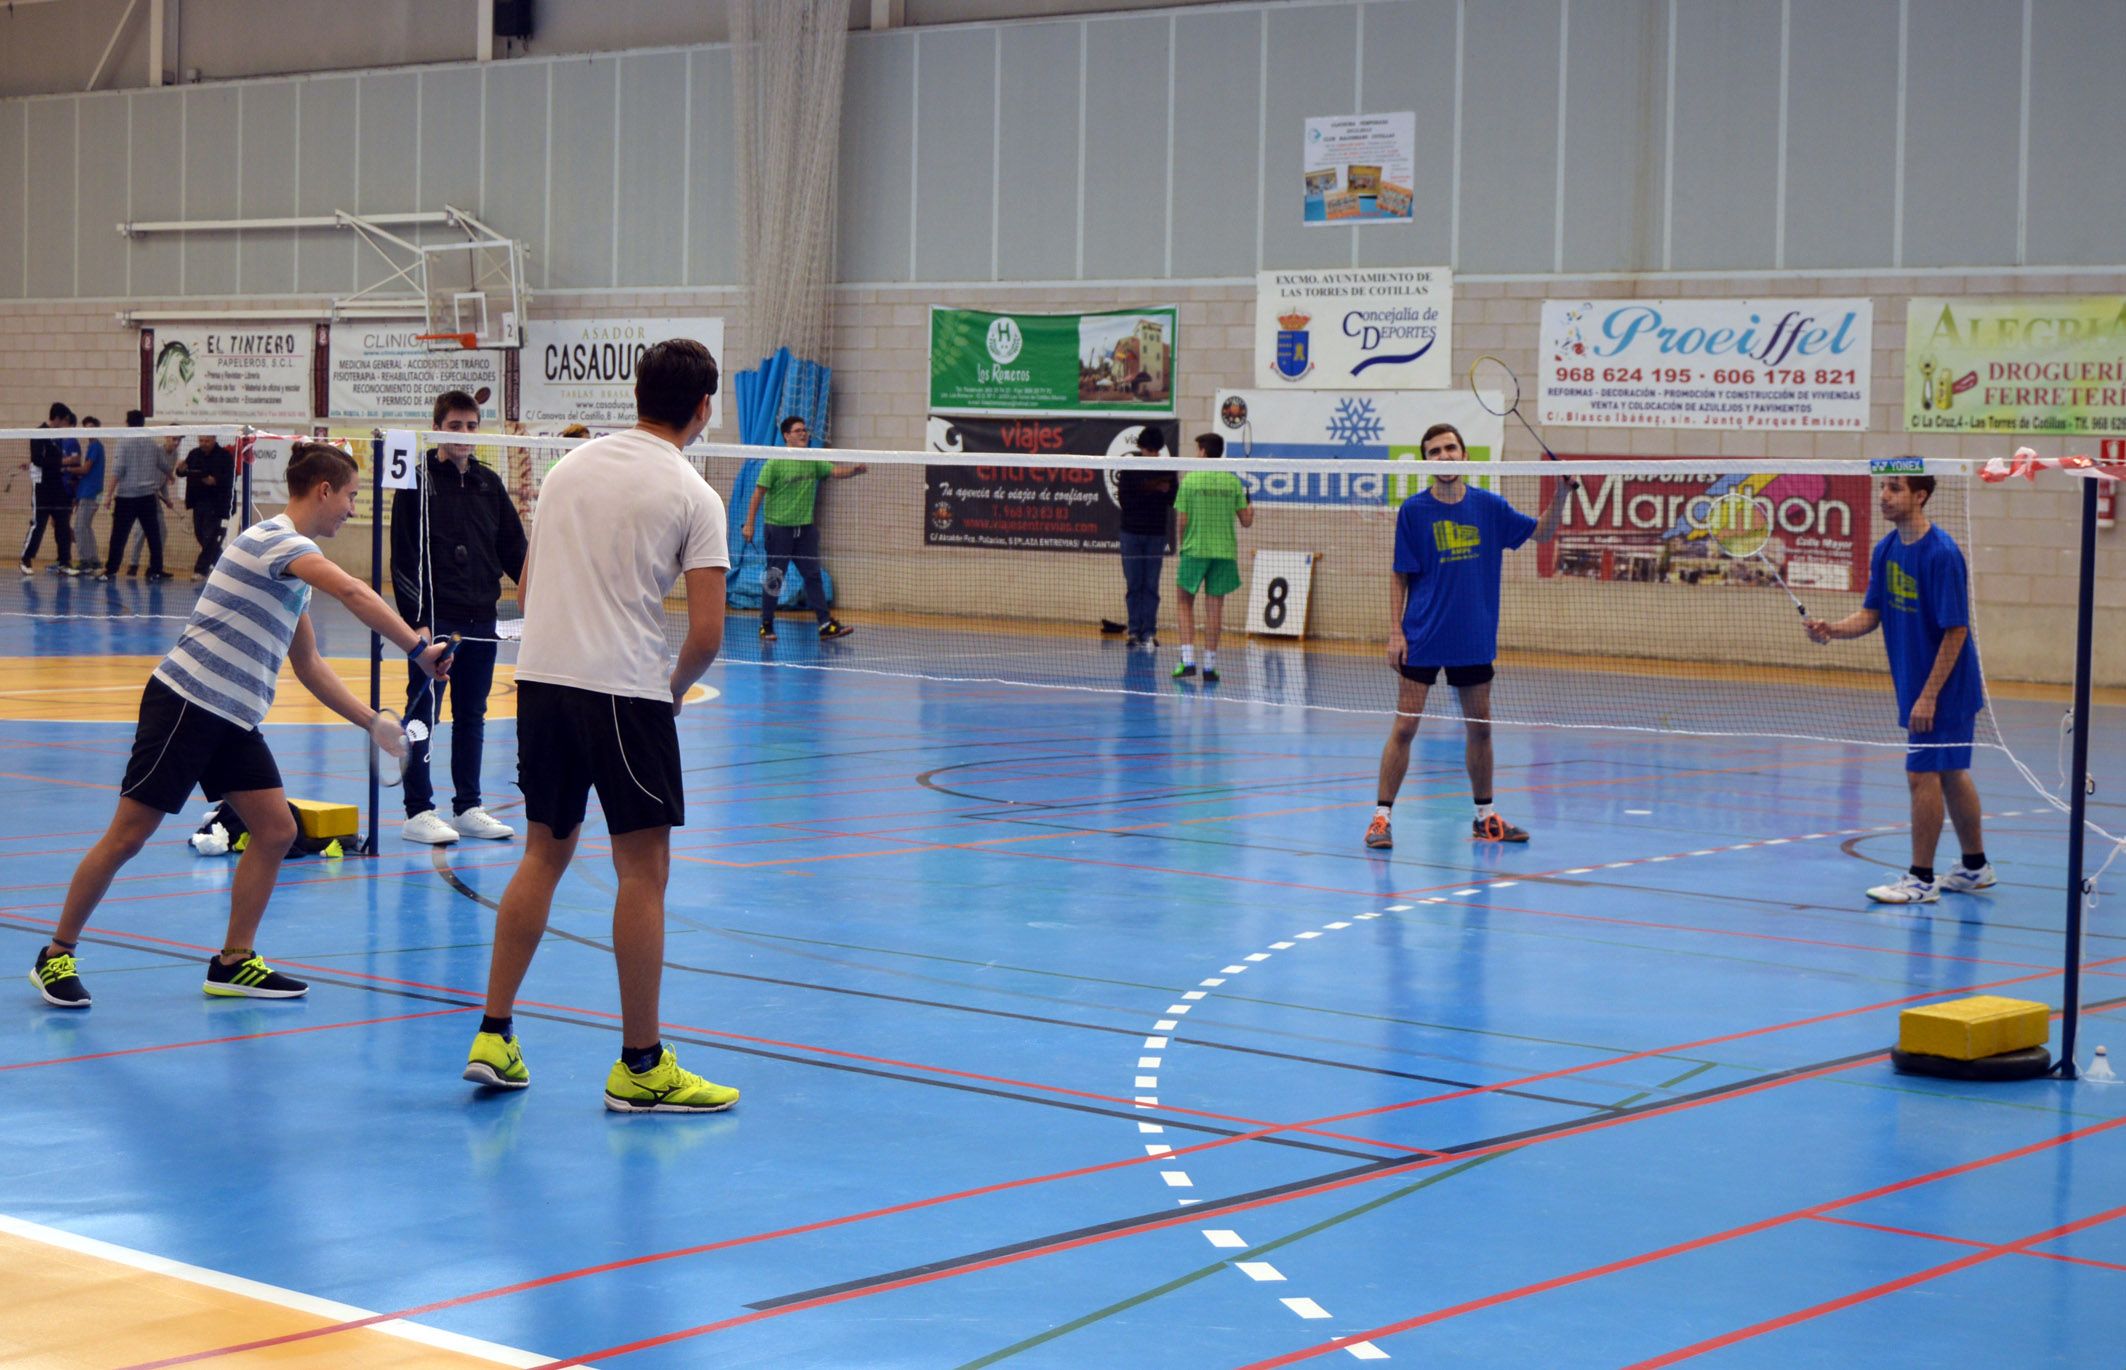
column 1451, row 556
column 1921, row 591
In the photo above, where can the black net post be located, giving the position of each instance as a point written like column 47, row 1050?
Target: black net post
column 376, row 641
column 2078, row 784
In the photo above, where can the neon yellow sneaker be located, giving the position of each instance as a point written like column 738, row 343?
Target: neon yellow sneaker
column 496, row 1061
column 664, row 1088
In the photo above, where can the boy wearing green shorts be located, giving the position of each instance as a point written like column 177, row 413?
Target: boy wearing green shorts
column 1206, row 507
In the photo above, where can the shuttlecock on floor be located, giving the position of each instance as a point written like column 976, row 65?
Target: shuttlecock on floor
column 213, row 842
column 2100, row 1071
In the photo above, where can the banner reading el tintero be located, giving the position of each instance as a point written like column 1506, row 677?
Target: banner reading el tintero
column 1015, row 501
column 583, row 370
column 1118, row 362
column 1735, row 364
column 2052, row 364
column 236, row 373
column 1383, row 328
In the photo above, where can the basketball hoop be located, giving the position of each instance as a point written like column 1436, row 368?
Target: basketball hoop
column 468, row 341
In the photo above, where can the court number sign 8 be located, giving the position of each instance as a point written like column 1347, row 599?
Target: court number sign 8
column 1276, row 596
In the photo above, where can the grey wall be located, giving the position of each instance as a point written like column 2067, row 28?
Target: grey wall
column 1553, row 136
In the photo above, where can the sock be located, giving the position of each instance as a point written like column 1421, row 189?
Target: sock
column 1188, row 653
column 504, row 1026
column 640, row 1059
column 1974, row 860
column 1484, row 809
column 1210, row 661
column 1381, row 809
column 1925, row 873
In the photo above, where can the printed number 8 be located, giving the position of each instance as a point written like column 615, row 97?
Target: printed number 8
column 1273, row 609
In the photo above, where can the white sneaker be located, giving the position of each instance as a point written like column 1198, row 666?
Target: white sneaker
column 1961, row 881
column 1907, row 889
column 479, row 823
column 429, row 827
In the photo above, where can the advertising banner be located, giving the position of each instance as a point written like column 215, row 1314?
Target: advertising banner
column 235, row 374
column 379, row 372
column 1014, row 502
column 1118, row 362
column 1734, row 364
column 1315, row 425
column 2051, row 364
column 1384, row 328
column 1359, row 169
column 583, row 370
column 1652, row 529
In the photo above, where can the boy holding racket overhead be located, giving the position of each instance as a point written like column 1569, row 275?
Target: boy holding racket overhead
column 1450, row 546
column 200, row 713
column 1919, row 594
column 621, row 519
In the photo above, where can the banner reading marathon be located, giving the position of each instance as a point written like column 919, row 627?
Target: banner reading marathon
column 583, row 370
column 2052, row 365
column 235, row 374
column 1383, row 328
column 381, row 371
column 1734, row 364
column 1016, row 503
column 1316, row 425
column 1118, row 362
column 1651, row 530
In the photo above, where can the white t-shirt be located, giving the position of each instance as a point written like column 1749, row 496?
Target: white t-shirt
column 619, row 520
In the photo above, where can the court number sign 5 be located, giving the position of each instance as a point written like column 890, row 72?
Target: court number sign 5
column 1277, row 596
column 401, row 458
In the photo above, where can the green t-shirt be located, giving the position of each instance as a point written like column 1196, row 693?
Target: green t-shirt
column 788, row 487
column 1211, row 499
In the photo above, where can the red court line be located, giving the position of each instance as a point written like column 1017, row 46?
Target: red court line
column 240, row 1037
column 1711, row 1239
column 2059, row 1256
column 1860, row 1296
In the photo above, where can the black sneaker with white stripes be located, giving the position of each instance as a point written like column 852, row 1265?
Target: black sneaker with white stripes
column 250, row 978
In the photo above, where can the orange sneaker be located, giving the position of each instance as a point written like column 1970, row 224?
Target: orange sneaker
column 1377, row 834
column 1496, row 829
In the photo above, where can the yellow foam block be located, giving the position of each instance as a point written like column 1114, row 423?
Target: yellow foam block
column 1972, row 1029
column 320, row 820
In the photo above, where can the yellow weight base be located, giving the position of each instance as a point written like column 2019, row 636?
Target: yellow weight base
column 319, row 820
column 1975, row 1028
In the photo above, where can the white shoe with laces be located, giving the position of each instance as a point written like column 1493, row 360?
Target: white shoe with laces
column 1962, row 881
column 480, row 823
column 1907, row 889
column 428, row 826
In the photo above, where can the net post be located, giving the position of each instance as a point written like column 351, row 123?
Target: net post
column 249, row 445
column 2078, row 783
column 376, row 640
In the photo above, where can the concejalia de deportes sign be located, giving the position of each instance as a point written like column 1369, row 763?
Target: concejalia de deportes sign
column 1736, row 364
column 1380, row 328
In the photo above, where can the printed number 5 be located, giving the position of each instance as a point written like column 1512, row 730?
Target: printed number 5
column 398, row 466
column 1273, row 608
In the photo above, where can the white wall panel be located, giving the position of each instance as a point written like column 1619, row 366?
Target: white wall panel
column 956, row 147
column 877, row 142
column 1037, row 186
column 1509, row 136
column 1726, row 187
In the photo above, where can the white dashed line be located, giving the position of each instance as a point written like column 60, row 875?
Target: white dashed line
column 1336, row 925
column 1366, row 1350
column 1214, row 982
column 1177, row 1179
column 1232, row 970
column 1259, row 1270
column 1398, row 908
column 1179, row 1008
column 1150, row 1129
column 1146, row 1082
column 1281, row 946
column 1224, row 1238
column 1504, row 884
column 1640, row 813
column 1157, row 1149
column 1471, row 890
column 1155, row 1043
column 1148, row 1062
column 1258, row 956
column 1165, row 1025
column 1305, row 1308
column 1306, row 936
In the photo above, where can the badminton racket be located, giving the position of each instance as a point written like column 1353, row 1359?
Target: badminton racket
column 1741, row 528
column 395, row 739
column 1498, row 390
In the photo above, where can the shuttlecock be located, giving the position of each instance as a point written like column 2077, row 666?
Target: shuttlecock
column 213, row 842
column 2100, row 1071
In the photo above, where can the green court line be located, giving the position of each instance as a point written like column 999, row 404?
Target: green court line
column 1252, row 1253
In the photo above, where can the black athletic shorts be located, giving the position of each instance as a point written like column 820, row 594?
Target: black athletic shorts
column 1457, row 676
column 179, row 745
column 571, row 741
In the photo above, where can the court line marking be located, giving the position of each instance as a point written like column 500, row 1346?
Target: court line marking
column 2058, row 1256
column 240, row 1037
column 295, row 1300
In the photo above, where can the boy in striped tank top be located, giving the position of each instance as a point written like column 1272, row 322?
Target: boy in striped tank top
column 200, row 713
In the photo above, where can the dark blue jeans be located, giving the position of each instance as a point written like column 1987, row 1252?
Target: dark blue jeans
column 786, row 544
column 1142, row 556
column 472, row 675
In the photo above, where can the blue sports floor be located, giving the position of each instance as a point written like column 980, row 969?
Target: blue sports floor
column 1079, row 1029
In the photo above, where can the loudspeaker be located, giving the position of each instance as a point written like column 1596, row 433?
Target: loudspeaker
column 513, row 18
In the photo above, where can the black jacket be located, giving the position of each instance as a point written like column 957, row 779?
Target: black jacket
column 49, row 457
column 219, row 498
column 474, row 539
column 1147, row 499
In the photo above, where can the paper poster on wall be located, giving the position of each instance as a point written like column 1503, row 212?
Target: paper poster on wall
column 2050, row 364
column 1015, row 502
column 1733, row 364
column 1359, row 169
column 1315, row 425
column 1120, row 361
column 234, row 373
column 381, row 371
column 1382, row 328
column 583, row 370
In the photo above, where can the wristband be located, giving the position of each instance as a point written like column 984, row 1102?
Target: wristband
column 414, row 654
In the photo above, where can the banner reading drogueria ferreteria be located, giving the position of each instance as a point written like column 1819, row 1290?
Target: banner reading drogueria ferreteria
column 583, row 370
column 1381, row 328
column 2047, row 364
column 1121, row 361
column 1739, row 364
column 235, row 372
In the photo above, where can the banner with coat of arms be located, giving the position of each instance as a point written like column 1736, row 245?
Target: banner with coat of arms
column 1379, row 328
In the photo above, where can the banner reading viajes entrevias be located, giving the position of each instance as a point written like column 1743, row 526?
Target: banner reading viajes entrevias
column 1014, row 501
column 1118, row 362
column 2049, row 364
